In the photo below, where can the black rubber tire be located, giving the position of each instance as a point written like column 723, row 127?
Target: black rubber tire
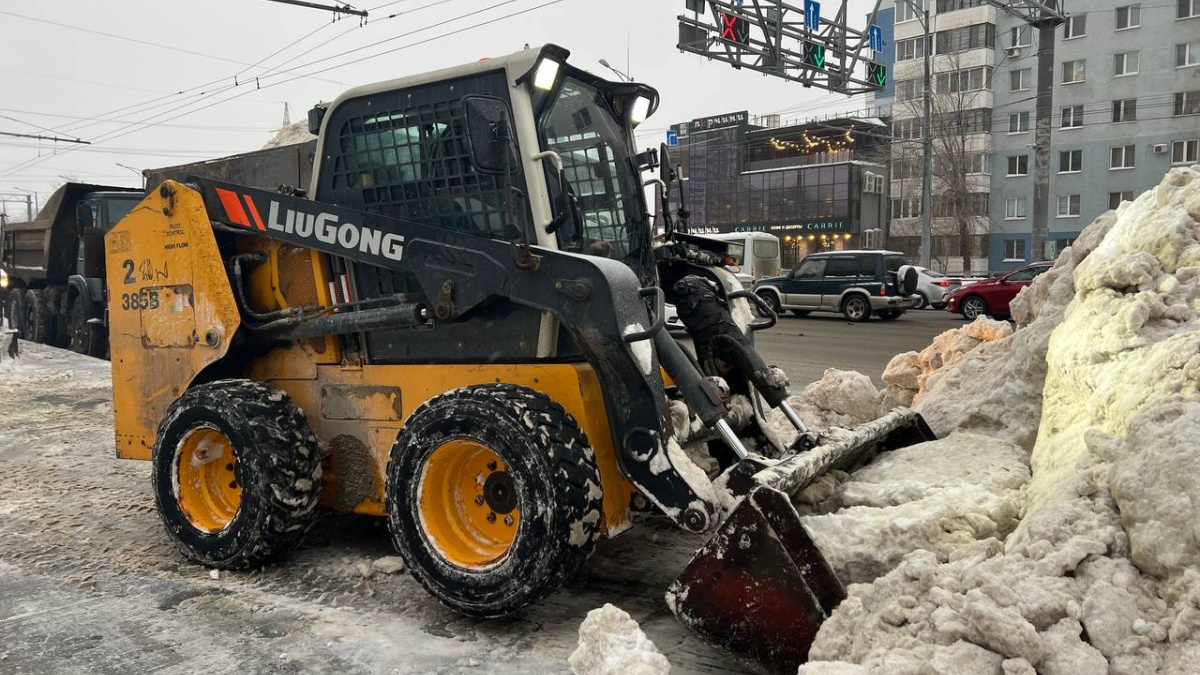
column 856, row 308
column 923, row 299
column 772, row 301
column 939, row 306
column 83, row 337
column 278, row 468
column 16, row 311
column 3, row 305
column 907, row 279
column 973, row 307
column 890, row 314
column 40, row 325
column 551, row 465
column 801, row 312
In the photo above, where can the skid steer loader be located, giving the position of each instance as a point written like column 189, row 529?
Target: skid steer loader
column 459, row 326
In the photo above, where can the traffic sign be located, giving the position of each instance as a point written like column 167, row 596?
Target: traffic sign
column 812, row 14
column 876, row 34
column 877, row 74
column 814, row 55
column 672, row 138
column 735, row 29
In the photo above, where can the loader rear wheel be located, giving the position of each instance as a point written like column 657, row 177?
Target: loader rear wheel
column 236, row 474
column 40, row 325
column 493, row 498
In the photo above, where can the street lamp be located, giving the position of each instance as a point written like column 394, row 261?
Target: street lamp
column 620, row 74
column 927, row 141
column 126, row 166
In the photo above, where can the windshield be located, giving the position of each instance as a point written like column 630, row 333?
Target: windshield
column 118, row 209
column 597, row 168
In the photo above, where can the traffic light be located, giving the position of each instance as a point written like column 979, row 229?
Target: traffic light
column 814, row 55
column 877, row 74
column 735, row 29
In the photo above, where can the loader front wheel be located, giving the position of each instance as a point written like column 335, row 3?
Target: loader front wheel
column 236, row 473
column 493, row 498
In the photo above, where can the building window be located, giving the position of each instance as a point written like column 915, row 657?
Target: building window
column 907, row 50
column 1018, row 165
column 1019, row 37
column 1072, row 117
column 944, row 6
column 1129, row 16
column 910, row 90
column 1018, row 80
column 976, row 121
column 1187, row 8
column 1125, row 63
column 1184, row 152
column 967, row 163
column 1073, row 71
column 1115, row 198
column 1125, row 110
column 906, row 208
column 1014, row 250
column 907, row 12
column 1187, row 103
column 979, row 36
column 1018, row 123
column 1076, row 26
column 1187, row 55
column 969, row 79
column 1122, row 157
column 1070, row 161
column 1014, row 208
column 1068, row 206
column 907, row 129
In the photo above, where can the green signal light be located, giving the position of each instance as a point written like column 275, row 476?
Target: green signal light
column 814, row 55
column 877, row 74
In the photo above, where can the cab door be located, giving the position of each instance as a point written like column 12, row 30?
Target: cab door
column 841, row 273
column 803, row 287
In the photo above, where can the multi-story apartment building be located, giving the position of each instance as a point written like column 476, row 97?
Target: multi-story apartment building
column 1126, row 108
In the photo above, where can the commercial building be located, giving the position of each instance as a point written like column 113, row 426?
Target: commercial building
column 1126, row 102
column 817, row 185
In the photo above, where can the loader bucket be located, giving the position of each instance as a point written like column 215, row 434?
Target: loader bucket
column 760, row 588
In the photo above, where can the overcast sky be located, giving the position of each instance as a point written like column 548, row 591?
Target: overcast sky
column 64, row 80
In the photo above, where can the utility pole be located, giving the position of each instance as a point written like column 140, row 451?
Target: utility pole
column 1046, row 17
column 336, row 9
column 926, row 140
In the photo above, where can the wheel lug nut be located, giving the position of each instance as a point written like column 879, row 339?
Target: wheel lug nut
column 479, row 500
column 508, row 520
column 491, row 466
column 229, row 467
column 491, row 517
column 233, row 484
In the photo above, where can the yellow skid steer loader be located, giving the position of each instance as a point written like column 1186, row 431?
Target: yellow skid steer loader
column 459, row 327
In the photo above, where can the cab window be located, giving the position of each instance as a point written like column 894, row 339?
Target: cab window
column 842, row 267
column 1026, row 274
column 813, row 268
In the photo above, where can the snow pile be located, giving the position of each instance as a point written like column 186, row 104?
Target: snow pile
column 937, row 496
column 294, row 133
column 906, row 374
column 839, row 398
column 612, row 643
column 1101, row 575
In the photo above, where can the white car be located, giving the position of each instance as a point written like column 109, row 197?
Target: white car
column 933, row 287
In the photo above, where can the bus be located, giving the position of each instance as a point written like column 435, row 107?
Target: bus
column 756, row 252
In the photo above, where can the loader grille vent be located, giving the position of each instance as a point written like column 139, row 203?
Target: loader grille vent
column 298, row 283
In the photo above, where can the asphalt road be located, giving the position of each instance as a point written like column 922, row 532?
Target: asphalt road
column 805, row 347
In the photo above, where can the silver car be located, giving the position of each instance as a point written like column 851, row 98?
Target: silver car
column 933, row 287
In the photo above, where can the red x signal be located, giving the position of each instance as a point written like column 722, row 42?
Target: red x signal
column 735, row 29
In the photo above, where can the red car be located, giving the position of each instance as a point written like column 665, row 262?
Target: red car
column 991, row 297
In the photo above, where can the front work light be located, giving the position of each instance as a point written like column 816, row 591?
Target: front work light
column 640, row 110
column 546, row 74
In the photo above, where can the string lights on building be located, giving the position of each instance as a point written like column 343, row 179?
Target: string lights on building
column 810, row 145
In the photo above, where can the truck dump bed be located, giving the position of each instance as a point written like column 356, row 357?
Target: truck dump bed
column 264, row 169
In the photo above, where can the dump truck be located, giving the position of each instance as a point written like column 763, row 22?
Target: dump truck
column 458, row 327
column 52, row 288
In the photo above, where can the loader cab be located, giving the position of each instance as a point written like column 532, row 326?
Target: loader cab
column 422, row 148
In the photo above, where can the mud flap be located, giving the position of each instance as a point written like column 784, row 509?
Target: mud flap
column 760, row 588
column 8, row 344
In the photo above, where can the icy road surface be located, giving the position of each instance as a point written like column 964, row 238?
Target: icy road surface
column 90, row 584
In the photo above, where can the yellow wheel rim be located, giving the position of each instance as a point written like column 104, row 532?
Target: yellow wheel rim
column 468, row 504
column 208, row 492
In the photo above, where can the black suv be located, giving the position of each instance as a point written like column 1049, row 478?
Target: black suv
column 855, row 283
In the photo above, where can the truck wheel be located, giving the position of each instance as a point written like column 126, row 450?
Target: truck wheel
column 236, row 474
column 493, row 498
column 856, row 308
column 40, row 324
column 85, row 338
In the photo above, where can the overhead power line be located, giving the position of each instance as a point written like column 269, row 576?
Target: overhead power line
column 336, row 9
column 56, row 139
